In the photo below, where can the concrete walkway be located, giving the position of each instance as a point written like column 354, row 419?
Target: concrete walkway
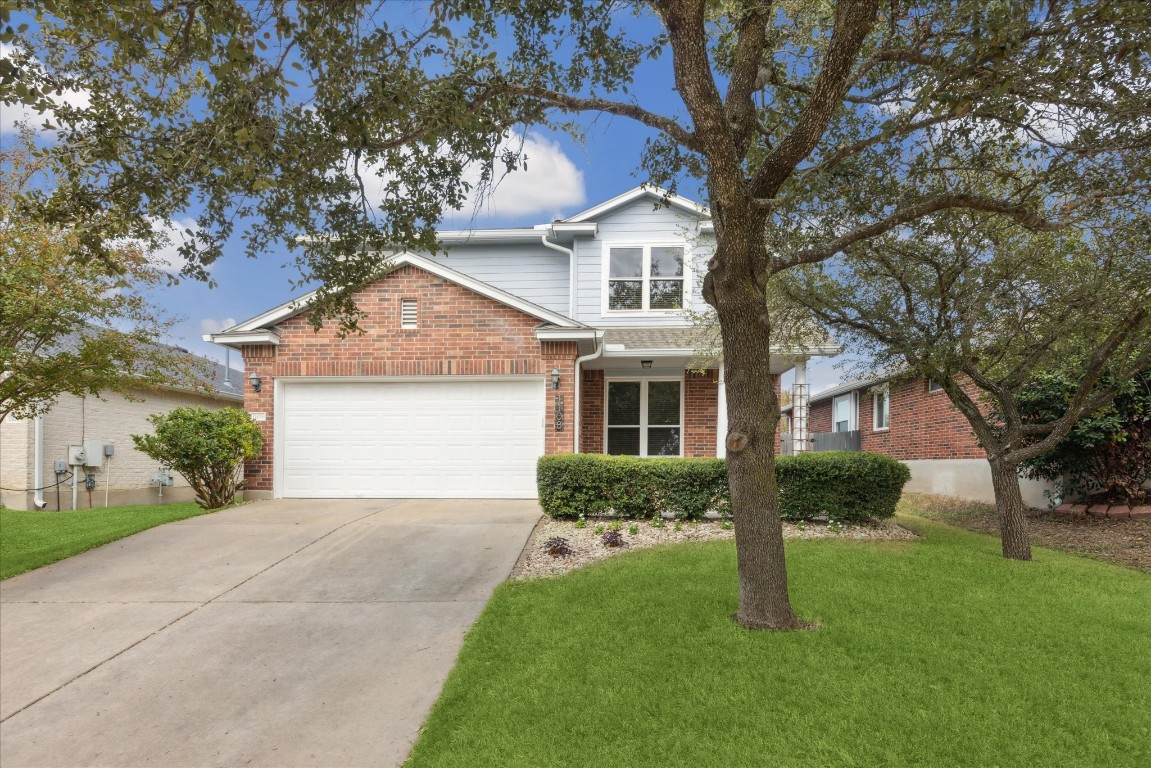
column 285, row 633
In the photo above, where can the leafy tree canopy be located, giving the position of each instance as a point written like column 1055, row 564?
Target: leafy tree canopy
column 69, row 325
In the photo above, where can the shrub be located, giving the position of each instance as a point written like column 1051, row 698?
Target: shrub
column 207, row 447
column 557, row 546
column 613, row 539
column 851, row 486
column 593, row 484
column 1107, row 452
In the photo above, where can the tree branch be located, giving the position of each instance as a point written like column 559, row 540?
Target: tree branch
column 853, row 21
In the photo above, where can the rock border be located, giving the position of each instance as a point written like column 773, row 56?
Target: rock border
column 587, row 547
column 1112, row 512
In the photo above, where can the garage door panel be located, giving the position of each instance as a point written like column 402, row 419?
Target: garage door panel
column 410, row 439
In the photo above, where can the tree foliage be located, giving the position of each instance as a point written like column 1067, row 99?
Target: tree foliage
column 1106, row 453
column 72, row 326
column 207, row 447
column 990, row 311
column 811, row 127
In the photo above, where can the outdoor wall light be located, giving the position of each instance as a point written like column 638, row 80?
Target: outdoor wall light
column 645, row 363
column 555, row 378
column 254, row 380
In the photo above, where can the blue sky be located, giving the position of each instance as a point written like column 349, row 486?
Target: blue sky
column 563, row 176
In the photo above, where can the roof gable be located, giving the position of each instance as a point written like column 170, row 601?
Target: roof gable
column 654, row 193
column 258, row 328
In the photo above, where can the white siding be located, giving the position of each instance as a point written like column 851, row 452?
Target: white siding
column 15, row 460
column 637, row 223
column 532, row 272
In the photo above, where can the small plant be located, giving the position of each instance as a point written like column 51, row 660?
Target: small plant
column 726, row 525
column 657, row 522
column 598, row 530
column 557, row 546
column 678, row 526
column 801, row 526
column 612, row 539
column 633, row 529
column 615, row 526
column 581, row 523
column 833, row 525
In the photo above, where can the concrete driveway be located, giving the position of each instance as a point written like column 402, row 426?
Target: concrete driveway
column 285, row 633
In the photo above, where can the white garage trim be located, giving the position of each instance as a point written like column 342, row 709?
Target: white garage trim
column 408, row 436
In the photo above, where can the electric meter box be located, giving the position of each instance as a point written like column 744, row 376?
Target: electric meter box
column 93, row 452
column 76, row 455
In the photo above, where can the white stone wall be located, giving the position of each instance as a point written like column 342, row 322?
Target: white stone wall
column 968, row 479
column 15, row 460
column 114, row 419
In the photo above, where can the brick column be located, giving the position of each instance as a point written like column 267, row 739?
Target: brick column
column 700, row 413
column 559, row 355
column 591, row 412
column 260, row 360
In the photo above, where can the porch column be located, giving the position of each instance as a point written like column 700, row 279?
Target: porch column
column 721, row 418
column 799, row 401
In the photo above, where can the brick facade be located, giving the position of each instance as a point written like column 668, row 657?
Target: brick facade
column 592, row 413
column 700, row 412
column 923, row 425
column 458, row 333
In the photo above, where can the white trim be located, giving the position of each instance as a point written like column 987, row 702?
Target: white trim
column 643, row 426
column 637, row 193
column 463, row 236
column 234, row 335
column 565, row 334
column 645, row 279
column 238, row 339
column 721, row 417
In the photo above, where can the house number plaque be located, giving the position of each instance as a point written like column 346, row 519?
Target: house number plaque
column 559, row 413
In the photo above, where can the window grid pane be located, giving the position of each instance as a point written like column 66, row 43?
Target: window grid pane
column 625, row 294
column 626, row 262
column 665, row 294
column 623, row 441
column 623, row 403
column 663, row 403
column 663, row 441
column 666, row 262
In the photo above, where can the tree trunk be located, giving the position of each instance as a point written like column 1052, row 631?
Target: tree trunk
column 753, row 413
column 1009, row 504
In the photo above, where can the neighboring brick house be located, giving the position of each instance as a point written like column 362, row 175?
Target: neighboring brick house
column 572, row 336
column 124, row 478
column 910, row 419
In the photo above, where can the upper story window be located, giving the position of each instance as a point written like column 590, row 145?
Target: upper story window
column 645, row 277
column 934, row 386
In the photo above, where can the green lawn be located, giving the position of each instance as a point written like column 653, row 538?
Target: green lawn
column 931, row 653
column 31, row 539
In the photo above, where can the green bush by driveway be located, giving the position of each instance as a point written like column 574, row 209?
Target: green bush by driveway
column 930, row 653
column 31, row 539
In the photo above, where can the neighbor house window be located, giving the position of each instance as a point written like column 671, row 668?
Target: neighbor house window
column 842, row 413
column 645, row 277
column 644, row 417
column 881, row 401
column 934, row 386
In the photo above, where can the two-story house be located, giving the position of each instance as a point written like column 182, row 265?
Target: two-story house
column 572, row 336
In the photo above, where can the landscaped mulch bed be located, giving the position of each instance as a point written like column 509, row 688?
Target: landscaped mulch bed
column 587, row 546
column 1120, row 541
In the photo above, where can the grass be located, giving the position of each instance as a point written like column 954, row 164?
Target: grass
column 934, row 652
column 30, row 540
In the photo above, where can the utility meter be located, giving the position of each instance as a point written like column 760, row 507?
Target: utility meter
column 76, row 456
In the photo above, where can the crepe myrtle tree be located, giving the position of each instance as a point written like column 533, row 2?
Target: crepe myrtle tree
column 70, row 325
column 987, row 310
column 808, row 126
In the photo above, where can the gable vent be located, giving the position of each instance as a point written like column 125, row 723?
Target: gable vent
column 408, row 313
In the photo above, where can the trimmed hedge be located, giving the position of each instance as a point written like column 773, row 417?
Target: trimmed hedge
column 846, row 485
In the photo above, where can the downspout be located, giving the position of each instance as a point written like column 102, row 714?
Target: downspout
column 38, row 467
column 571, row 269
column 579, row 364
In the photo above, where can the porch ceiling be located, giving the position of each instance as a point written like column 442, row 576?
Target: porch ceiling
column 673, row 347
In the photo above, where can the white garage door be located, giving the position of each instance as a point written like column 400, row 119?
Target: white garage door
column 456, row 438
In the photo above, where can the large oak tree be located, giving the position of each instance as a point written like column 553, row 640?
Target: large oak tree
column 809, row 126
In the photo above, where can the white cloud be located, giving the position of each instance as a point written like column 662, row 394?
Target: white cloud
column 12, row 115
column 212, row 325
column 550, row 183
column 173, row 233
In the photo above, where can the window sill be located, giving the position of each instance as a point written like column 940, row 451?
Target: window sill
column 881, row 429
